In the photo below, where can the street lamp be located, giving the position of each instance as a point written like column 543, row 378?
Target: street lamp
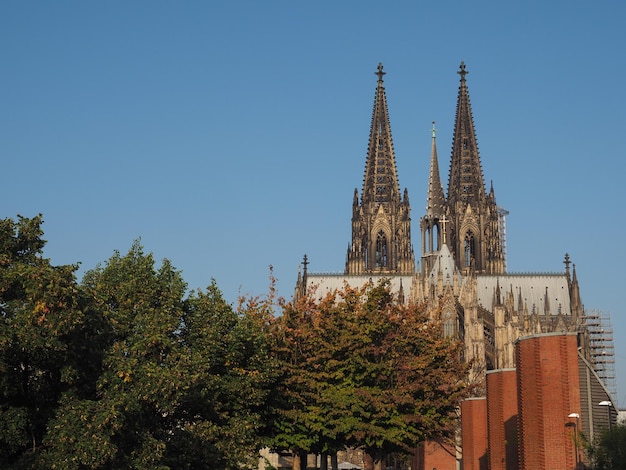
column 608, row 405
column 577, row 416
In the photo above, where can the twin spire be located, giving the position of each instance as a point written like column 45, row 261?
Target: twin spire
column 381, row 222
column 466, row 220
column 465, row 182
column 380, row 184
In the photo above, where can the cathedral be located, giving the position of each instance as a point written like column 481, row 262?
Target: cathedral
column 461, row 275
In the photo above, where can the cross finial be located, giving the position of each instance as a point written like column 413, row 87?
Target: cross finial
column 434, row 131
column 305, row 262
column 462, row 72
column 380, row 72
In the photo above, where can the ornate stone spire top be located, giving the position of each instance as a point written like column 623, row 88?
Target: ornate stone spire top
column 466, row 175
column 380, row 72
column 380, row 184
column 462, row 72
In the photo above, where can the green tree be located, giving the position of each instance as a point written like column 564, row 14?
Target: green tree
column 182, row 380
column 125, row 422
column 233, row 378
column 609, row 452
column 362, row 371
column 45, row 341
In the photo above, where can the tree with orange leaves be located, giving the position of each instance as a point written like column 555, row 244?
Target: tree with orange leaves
column 360, row 370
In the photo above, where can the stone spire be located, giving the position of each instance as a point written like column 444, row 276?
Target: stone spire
column 435, row 203
column 380, row 183
column 465, row 183
column 474, row 236
column 381, row 223
column 432, row 225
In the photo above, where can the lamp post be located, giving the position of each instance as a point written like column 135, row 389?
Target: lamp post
column 608, row 405
column 577, row 455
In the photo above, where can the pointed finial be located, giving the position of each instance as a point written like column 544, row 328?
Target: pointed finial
column 380, row 72
column 462, row 72
column 434, row 131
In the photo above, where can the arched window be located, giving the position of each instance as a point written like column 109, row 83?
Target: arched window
column 449, row 325
column 468, row 249
column 381, row 250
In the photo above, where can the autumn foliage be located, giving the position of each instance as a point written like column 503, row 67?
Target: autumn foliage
column 127, row 369
column 363, row 371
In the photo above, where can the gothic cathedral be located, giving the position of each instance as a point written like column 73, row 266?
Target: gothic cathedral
column 462, row 274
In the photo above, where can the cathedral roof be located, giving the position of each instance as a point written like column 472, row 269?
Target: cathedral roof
column 324, row 283
column 444, row 265
column 543, row 294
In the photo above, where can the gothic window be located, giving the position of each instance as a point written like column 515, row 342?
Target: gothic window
column 449, row 325
column 365, row 249
column 468, row 249
column 381, row 250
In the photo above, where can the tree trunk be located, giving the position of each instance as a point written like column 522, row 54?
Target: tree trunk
column 374, row 462
column 299, row 460
column 334, row 462
column 368, row 462
column 324, row 461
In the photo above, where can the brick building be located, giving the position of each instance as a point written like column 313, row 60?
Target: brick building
column 474, row 436
column 502, row 410
column 549, row 392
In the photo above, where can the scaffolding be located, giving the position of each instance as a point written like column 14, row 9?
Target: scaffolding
column 601, row 348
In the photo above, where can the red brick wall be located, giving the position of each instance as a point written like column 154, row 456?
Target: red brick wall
column 548, row 391
column 433, row 454
column 474, row 433
column 502, row 419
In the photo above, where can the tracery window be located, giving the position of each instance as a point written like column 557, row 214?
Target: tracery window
column 449, row 325
column 381, row 250
column 468, row 249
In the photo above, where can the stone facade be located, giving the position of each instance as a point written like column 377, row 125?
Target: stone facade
column 462, row 275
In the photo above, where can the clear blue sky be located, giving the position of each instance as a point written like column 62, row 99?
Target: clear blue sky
column 230, row 136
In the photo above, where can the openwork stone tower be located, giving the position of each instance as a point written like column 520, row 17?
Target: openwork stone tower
column 381, row 222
